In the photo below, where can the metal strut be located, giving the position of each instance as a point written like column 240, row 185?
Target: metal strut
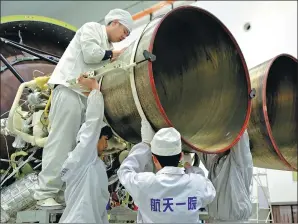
column 28, row 51
column 11, row 68
column 31, row 48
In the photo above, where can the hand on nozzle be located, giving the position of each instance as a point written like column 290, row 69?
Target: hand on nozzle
column 187, row 165
column 116, row 54
column 89, row 83
column 147, row 133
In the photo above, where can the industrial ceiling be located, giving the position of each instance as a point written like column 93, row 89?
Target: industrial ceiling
column 75, row 13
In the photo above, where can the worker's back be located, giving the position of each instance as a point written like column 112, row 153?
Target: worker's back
column 171, row 196
column 86, row 194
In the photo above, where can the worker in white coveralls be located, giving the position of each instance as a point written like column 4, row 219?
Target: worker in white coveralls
column 231, row 173
column 90, row 48
column 173, row 194
column 84, row 173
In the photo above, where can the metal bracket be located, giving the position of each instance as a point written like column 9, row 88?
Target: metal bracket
column 148, row 57
column 252, row 93
column 115, row 67
column 111, row 67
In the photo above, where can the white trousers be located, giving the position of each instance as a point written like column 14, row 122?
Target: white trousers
column 66, row 115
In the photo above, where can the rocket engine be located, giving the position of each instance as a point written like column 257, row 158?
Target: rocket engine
column 184, row 69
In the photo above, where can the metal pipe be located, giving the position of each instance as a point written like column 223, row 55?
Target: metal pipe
column 32, row 48
column 28, row 51
column 199, row 82
column 273, row 126
column 11, row 68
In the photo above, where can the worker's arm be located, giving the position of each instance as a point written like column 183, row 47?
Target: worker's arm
column 207, row 159
column 105, row 218
column 241, row 158
column 240, row 153
column 86, row 152
column 92, row 50
column 194, row 169
column 129, row 173
column 205, row 189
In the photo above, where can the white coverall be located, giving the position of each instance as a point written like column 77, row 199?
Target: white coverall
column 170, row 195
column 231, row 176
column 84, row 53
column 86, row 193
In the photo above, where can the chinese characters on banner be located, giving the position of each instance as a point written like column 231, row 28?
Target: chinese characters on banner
column 168, row 205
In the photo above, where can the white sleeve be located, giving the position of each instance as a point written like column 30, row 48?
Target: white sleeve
column 208, row 193
column 196, row 170
column 86, row 151
column 207, row 159
column 130, row 171
column 205, row 187
column 240, row 153
column 105, row 218
column 92, row 51
column 241, row 158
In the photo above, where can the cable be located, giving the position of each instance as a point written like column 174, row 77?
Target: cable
column 4, row 113
column 6, row 147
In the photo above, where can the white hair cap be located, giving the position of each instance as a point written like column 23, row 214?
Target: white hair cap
column 166, row 142
column 122, row 16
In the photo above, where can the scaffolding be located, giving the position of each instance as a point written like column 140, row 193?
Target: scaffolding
column 262, row 209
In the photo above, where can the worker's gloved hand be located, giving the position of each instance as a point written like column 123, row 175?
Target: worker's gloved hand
column 89, row 83
column 116, row 54
column 187, row 165
column 147, row 132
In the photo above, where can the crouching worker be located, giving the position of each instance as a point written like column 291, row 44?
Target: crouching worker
column 86, row 193
column 171, row 195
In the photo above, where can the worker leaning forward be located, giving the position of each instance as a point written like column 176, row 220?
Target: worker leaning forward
column 84, row 173
column 173, row 194
column 231, row 173
column 90, row 48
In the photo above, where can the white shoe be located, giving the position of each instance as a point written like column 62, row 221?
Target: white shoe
column 49, row 204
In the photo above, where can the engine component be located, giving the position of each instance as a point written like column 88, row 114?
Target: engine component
column 39, row 129
column 17, row 196
column 34, row 98
column 199, row 82
column 4, row 130
column 50, row 38
column 273, row 126
column 33, row 140
column 196, row 76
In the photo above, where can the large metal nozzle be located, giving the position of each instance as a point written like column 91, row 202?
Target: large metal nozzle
column 273, row 127
column 199, row 82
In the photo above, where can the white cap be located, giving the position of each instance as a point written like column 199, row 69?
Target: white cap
column 122, row 16
column 166, row 142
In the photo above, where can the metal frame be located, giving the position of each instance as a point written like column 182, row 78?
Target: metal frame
column 29, row 50
column 11, row 68
column 40, row 216
column 28, row 47
column 264, row 185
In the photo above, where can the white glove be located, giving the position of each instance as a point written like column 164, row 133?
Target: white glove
column 147, row 132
